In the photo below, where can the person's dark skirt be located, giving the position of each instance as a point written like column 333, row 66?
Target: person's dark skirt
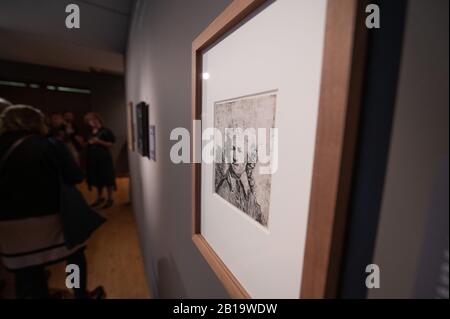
column 99, row 166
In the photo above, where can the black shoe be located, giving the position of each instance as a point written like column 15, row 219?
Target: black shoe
column 108, row 204
column 98, row 202
column 97, row 293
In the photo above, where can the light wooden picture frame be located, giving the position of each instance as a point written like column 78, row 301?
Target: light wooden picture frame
column 340, row 95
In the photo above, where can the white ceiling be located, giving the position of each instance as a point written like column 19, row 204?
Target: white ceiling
column 34, row 31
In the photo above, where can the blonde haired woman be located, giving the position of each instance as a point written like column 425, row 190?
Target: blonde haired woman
column 32, row 172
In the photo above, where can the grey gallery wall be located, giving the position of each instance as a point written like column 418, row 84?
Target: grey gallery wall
column 158, row 72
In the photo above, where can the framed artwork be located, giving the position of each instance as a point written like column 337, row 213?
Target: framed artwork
column 271, row 225
column 153, row 142
column 142, row 121
column 130, row 127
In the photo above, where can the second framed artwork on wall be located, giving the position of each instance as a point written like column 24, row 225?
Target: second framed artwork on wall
column 145, row 139
column 130, row 127
column 142, row 129
column 274, row 229
column 152, row 143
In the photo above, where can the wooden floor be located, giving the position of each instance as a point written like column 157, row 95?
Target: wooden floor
column 113, row 253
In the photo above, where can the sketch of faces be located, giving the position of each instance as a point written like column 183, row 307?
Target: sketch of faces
column 237, row 166
column 237, row 180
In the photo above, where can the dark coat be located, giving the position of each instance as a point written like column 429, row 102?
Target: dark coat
column 29, row 181
column 100, row 167
column 31, row 231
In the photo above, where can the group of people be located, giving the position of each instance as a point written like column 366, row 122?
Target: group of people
column 39, row 157
column 91, row 151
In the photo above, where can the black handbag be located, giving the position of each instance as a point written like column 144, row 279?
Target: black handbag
column 79, row 220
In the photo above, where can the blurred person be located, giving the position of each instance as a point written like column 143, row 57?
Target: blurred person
column 63, row 131
column 56, row 121
column 100, row 168
column 56, row 127
column 72, row 131
column 33, row 229
column 74, row 141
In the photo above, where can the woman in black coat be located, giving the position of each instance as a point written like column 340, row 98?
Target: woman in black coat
column 32, row 168
column 99, row 166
